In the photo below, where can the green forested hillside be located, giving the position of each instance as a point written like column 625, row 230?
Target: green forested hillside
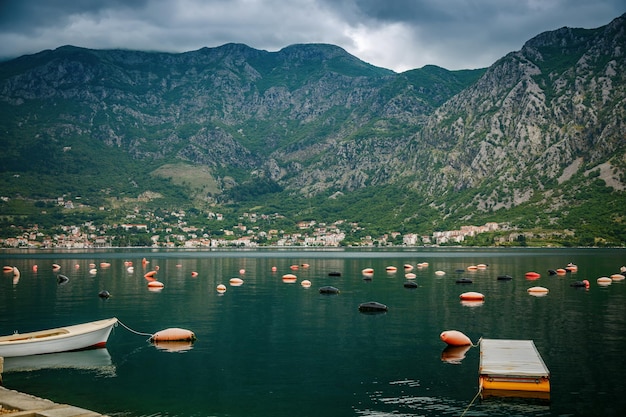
column 534, row 142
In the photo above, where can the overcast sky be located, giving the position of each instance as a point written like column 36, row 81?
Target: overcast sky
column 394, row 34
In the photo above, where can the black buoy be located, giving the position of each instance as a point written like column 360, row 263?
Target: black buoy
column 329, row 290
column 62, row 279
column 104, row 294
column 504, row 277
column 410, row 284
column 464, row 281
column 551, row 272
column 372, row 307
column 334, row 274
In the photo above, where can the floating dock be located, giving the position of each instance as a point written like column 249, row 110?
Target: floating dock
column 512, row 368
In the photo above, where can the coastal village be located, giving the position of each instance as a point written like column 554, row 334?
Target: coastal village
column 176, row 232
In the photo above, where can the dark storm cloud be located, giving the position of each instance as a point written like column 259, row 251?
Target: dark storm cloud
column 396, row 34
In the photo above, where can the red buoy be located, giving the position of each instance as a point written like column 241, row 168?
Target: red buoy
column 532, row 275
column 455, row 338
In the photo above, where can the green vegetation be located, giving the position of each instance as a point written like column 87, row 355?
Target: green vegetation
column 226, row 141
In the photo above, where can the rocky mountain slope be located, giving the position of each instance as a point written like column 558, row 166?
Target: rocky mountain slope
column 529, row 139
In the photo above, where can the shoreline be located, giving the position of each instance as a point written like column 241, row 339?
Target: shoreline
column 18, row 404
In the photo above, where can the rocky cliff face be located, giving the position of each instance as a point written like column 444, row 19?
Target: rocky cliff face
column 538, row 117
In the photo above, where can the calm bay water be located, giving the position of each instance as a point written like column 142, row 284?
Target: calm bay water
column 267, row 348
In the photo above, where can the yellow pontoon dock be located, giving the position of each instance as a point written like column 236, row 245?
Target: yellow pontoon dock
column 512, row 368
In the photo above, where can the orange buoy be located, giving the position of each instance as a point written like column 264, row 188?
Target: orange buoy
column 173, row 334
column 617, row 277
column 571, row 267
column 537, row 290
column 221, row 288
column 561, row 271
column 532, row 275
column 366, row 271
column 305, row 265
column 306, row 283
column 104, row 264
column 604, row 281
column 408, row 267
column 472, row 268
column 289, row 278
column 391, row 269
column 56, row 267
column 150, row 274
column 235, row 282
column 422, row 265
column 155, row 284
column 455, row 338
column 472, row 296
column 194, row 274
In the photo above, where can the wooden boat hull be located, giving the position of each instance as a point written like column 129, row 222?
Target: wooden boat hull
column 63, row 339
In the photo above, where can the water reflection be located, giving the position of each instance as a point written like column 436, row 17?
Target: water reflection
column 454, row 354
column 98, row 360
column 173, row 346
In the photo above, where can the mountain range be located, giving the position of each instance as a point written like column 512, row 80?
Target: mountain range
column 536, row 141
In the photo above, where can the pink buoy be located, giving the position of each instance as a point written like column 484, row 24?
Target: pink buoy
column 455, row 338
column 174, row 334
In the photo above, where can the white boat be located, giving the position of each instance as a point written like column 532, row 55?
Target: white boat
column 77, row 337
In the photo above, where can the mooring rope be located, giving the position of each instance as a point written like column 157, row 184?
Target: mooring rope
column 471, row 402
column 478, row 393
column 133, row 331
column 477, row 343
